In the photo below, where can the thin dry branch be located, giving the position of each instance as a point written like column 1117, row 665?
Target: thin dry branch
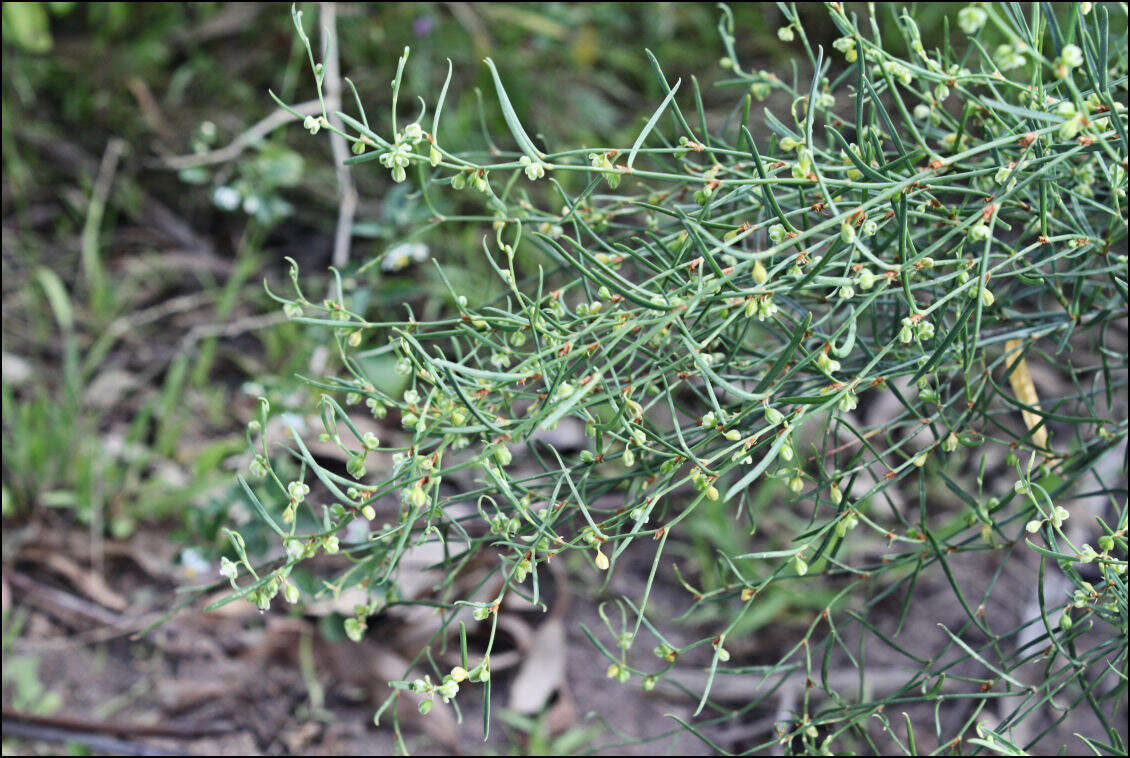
column 346, row 191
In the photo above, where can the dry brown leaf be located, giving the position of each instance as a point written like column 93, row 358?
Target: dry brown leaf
column 86, row 581
column 543, row 670
column 107, row 389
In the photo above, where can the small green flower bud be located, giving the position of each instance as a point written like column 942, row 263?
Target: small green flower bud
column 503, row 455
column 760, row 275
column 354, row 628
column 828, row 365
column 1071, row 56
column 844, row 44
column 356, row 466
column 448, row 689
column 228, row 569
column 971, row 18
column 297, row 491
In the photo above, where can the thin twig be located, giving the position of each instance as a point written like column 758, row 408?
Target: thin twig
column 231, row 328
column 98, row 743
column 347, row 193
column 115, row 727
column 245, row 140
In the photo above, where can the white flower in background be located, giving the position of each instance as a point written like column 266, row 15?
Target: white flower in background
column 252, row 204
column 403, row 255
column 194, row 563
column 226, row 198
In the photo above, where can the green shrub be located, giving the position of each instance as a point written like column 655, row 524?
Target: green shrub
column 821, row 327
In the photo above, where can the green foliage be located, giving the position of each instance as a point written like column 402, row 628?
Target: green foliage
column 840, row 311
column 21, row 672
column 28, row 26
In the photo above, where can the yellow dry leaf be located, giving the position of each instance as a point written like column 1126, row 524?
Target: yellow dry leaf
column 1025, row 391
